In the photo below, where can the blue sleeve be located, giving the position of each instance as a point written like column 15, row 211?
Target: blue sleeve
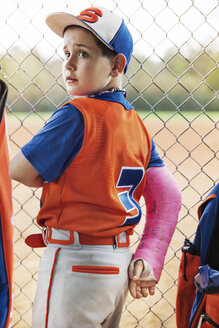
column 57, row 143
column 155, row 159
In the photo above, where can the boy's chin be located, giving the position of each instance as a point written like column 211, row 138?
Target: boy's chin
column 79, row 94
column 75, row 93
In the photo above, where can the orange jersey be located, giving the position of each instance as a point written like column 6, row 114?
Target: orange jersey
column 6, row 228
column 98, row 193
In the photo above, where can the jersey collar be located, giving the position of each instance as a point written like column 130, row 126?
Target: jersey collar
column 114, row 95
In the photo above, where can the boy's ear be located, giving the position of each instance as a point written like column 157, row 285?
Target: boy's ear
column 119, row 62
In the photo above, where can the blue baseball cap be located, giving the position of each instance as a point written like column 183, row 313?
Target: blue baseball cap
column 107, row 26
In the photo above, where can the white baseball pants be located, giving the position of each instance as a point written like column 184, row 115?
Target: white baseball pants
column 81, row 286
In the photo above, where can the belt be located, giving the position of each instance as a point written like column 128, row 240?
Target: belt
column 67, row 237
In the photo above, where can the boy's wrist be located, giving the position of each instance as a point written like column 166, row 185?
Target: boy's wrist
column 147, row 273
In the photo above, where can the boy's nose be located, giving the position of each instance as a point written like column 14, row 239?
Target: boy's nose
column 70, row 64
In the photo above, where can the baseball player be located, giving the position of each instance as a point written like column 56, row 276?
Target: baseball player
column 6, row 228
column 94, row 160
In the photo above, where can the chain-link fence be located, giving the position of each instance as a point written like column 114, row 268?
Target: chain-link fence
column 173, row 82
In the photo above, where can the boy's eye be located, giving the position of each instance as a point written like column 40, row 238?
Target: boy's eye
column 83, row 54
column 67, row 55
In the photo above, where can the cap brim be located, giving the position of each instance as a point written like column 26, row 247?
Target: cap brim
column 57, row 22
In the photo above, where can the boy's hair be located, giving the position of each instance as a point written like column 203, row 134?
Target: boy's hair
column 106, row 52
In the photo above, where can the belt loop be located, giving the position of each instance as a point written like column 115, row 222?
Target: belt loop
column 57, row 239
column 122, row 240
column 76, row 243
column 115, row 245
column 44, row 235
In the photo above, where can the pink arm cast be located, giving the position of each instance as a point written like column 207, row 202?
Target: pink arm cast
column 163, row 202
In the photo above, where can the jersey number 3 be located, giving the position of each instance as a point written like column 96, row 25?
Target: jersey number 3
column 130, row 177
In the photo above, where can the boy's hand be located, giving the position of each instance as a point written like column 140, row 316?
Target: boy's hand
column 140, row 288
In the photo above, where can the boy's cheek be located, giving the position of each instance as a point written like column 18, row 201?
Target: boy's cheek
column 63, row 75
column 63, row 72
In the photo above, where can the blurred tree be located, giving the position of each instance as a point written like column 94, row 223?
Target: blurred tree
column 175, row 82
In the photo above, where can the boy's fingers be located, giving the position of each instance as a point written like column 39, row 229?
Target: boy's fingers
column 151, row 290
column 133, row 288
column 144, row 292
column 137, row 291
column 138, row 268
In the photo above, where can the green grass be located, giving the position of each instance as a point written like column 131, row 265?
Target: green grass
column 163, row 115
column 24, row 115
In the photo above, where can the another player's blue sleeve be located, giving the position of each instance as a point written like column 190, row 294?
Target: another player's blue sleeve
column 57, row 143
column 155, row 159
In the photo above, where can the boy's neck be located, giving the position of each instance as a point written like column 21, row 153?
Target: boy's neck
column 111, row 90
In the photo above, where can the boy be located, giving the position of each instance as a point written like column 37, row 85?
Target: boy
column 91, row 159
